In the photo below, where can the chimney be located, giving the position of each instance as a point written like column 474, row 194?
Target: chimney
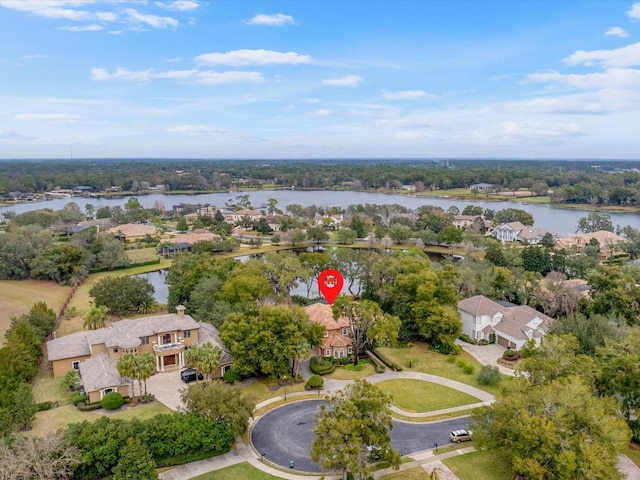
column 180, row 310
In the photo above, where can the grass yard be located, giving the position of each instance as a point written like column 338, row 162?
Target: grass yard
column 140, row 255
column 49, row 421
column 263, row 390
column 417, row 473
column 49, row 389
column 422, row 359
column 479, row 466
column 18, row 296
column 633, row 452
column 344, row 373
column 420, row 396
column 234, row 472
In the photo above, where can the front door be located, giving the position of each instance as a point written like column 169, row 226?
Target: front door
column 170, row 360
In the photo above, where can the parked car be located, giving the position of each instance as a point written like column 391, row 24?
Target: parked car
column 188, row 375
column 461, row 435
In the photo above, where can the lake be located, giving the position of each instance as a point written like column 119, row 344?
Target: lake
column 559, row 220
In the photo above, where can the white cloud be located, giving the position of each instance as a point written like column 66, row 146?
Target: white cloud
column 617, row 32
column 410, row 135
column 627, row 78
column 404, row 95
column 322, row 113
column 634, row 11
column 511, row 132
column 217, row 78
column 567, row 105
column 179, row 5
column 311, row 101
column 346, row 81
column 198, row 130
column 627, row 56
column 101, row 74
column 59, row 9
column 277, row 20
column 87, row 28
column 48, row 117
column 9, row 134
column 253, row 57
column 133, row 16
column 197, row 76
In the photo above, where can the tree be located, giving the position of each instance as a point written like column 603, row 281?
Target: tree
column 355, row 422
column 345, row 236
column 182, row 225
column 96, row 317
column 22, row 409
column 369, row 326
column 122, row 295
column 472, row 210
column 65, row 264
column 595, row 222
column 36, row 458
column 317, row 234
column 112, row 254
column 220, row 402
column 556, row 430
column 450, row 235
column 135, row 462
column 547, row 240
column 284, row 270
column 513, row 215
column 146, row 366
column 204, row 358
column 126, row 366
column 399, row 233
column 358, row 226
column 267, row 341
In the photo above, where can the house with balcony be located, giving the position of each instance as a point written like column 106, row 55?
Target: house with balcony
column 336, row 342
column 504, row 323
column 517, row 232
column 95, row 353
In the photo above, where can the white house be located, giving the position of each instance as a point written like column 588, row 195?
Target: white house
column 510, row 326
column 517, row 232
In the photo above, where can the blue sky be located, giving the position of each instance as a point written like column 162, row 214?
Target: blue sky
column 319, row 79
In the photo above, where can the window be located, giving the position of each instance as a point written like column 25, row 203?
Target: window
column 344, row 330
column 76, row 365
column 186, row 334
column 115, row 349
column 144, row 340
column 326, row 334
column 350, row 350
column 327, row 352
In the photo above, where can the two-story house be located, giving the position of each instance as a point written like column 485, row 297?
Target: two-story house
column 95, row 353
column 336, row 342
column 510, row 326
column 517, row 232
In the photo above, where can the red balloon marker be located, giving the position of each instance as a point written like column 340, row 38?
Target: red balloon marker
column 330, row 283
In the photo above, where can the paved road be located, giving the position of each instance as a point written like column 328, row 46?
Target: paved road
column 286, row 433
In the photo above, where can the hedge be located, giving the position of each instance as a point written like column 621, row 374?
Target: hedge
column 125, row 267
column 89, row 408
column 380, row 368
column 315, row 382
column 386, row 361
column 45, row 406
column 112, row 401
column 324, row 367
column 77, row 397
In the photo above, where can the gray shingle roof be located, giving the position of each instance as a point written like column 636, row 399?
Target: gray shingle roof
column 209, row 333
column 100, row 372
column 73, row 345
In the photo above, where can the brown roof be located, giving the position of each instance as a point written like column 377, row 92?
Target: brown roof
column 479, row 305
column 100, row 372
column 133, row 230
column 191, row 237
column 321, row 313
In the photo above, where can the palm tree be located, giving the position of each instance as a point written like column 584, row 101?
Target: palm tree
column 146, row 366
column 208, row 359
column 127, row 368
column 96, row 317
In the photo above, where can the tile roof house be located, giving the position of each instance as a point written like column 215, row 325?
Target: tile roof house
column 517, row 232
column 336, row 342
column 130, row 232
column 238, row 216
column 509, row 326
column 608, row 242
column 95, row 353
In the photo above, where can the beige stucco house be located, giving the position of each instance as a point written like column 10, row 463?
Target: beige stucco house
column 609, row 243
column 336, row 342
column 130, row 232
column 95, row 353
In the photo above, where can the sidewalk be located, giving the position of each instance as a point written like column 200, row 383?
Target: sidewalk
column 486, row 355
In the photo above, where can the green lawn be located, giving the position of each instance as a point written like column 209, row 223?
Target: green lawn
column 344, row 373
column 417, row 473
column 49, row 389
column 263, row 390
column 424, row 360
column 633, row 452
column 49, row 421
column 479, row 466
column 420, row 396
column 242, row 471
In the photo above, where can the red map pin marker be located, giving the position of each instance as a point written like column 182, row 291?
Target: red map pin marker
column 330, row 283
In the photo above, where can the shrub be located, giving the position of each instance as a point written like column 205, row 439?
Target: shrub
column 88, row 408
column 314, row 382
column 147, row 398
column 392, row 365
column 446, row 348
column 44, row 406
column 76, row 398
column 466, row 367
column 112, row 401
column 489, row 375
column 510, row 354
column 466, row 338
column 360, row 366
column 231, row 376
column 380, row 368
column 321, row 367
column 72, row 379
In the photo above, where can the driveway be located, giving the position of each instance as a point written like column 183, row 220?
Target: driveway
column 166, row 388
column 486, row 354
column 286, row 434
